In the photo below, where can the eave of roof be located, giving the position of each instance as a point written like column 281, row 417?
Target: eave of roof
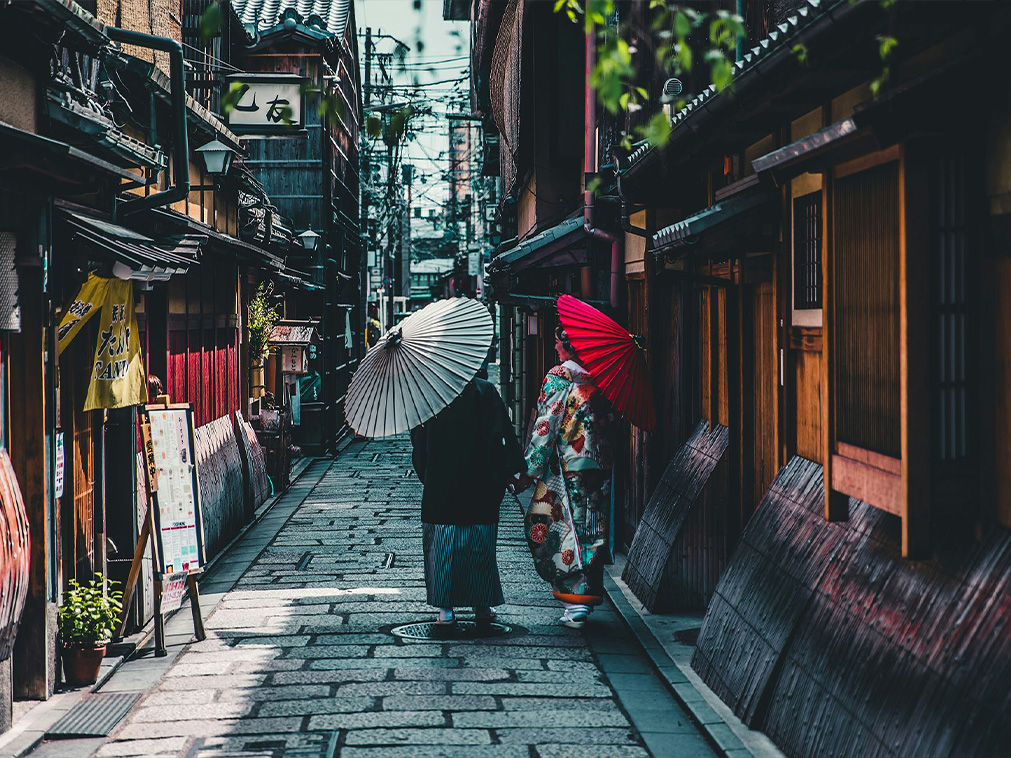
column 537, row 242
column 136, row 256
column 752, row 67
column 688, row 230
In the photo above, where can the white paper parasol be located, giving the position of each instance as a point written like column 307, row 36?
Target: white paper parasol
column 419, row 367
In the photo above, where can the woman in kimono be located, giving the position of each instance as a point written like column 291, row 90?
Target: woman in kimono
column 465, row 456
column 569, row 457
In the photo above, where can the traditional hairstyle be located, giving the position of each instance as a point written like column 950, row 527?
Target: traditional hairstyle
column 564, row 339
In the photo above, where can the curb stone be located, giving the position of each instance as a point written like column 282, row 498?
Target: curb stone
column 716, row 730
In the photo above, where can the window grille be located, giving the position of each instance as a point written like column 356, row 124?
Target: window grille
column 807, row 252
column 951, row 310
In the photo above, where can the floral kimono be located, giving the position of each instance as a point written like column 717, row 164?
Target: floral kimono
column 570, row 457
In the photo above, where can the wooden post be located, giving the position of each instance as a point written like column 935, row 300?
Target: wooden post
column 198, row 622
column 34, row 657
column 914, row 351
column 836, row 504
column 159, row 621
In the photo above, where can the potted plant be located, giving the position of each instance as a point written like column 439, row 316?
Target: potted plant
column 262, row 319
column 89, row 616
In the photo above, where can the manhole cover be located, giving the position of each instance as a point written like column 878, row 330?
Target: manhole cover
column 429, row 630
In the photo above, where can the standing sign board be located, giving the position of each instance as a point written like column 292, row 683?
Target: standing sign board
column 177, row 516
column 173, row 492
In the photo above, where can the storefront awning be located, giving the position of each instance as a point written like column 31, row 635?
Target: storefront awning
column 162, row 218
column 133, row 255
column 52, row 161
column 691, row 230
column 542, row 248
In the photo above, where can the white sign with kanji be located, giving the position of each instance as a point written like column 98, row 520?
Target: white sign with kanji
column 293, row 359
column 266, row 103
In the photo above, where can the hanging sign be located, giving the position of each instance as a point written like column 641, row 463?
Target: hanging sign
column 117, row 371
column 89, row 301
column 266, row 103
column 176, row 493
column 474, row 263
column 293, row 359
column 60, row 465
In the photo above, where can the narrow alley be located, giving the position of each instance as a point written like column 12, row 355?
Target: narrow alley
column 299, row 659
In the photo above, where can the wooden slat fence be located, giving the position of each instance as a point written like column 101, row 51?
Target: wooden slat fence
column 679, row 548
column 822, row 635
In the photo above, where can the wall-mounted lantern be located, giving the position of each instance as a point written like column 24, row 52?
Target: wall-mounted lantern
column 217, row 157
column 309, row 240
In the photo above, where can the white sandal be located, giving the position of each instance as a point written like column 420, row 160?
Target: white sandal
column 574, row 616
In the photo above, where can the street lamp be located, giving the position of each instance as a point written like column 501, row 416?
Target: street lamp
column 217, row 157
column 309, row 240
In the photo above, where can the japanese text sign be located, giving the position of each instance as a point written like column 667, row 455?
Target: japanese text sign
column 267, row 103
column 179, row 528
column 117, row 372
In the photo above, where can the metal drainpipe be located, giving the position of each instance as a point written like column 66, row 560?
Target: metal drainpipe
column 181, row 151
column 589, row 166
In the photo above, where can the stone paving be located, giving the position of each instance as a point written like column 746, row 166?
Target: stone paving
column 298, row 660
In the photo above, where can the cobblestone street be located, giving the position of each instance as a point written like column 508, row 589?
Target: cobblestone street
column 299, row 662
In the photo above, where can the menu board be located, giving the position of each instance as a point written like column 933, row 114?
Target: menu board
column 176, row 490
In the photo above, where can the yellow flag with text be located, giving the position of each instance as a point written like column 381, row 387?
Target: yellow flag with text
column 88, row 302
column 117, row 373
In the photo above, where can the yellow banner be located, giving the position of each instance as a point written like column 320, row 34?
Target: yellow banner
column 88, row 302
column 117, row 373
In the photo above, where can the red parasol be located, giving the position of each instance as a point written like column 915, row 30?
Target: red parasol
column 613, row 357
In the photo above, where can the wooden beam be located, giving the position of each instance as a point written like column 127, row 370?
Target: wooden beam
column 836, row 503
column 872, row 485
column 914, row 348
column 34, row 652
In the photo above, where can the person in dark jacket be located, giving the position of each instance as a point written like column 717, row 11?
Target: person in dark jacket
column 465, row 456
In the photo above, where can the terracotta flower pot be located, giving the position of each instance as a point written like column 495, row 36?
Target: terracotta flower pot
column 81, row 663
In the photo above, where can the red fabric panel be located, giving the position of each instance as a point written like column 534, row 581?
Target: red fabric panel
column 175, row 382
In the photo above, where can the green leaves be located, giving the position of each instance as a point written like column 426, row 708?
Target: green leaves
column 722, row 71
column 232, row 97
column 886, row 44
column 90, row 615
column 210, row 22
column 396, row 128
column 800, row 53
column 374, row 126
column 657, row 130
column 262, row 318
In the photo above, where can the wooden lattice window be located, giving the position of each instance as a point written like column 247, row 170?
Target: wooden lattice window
column 807, row 252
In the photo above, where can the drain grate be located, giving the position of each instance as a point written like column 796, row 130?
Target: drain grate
column 462, row 630
column 94, row 716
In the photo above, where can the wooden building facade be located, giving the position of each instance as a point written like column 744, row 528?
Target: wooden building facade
column 312, row 176
column 827, row 266
column 97, row 132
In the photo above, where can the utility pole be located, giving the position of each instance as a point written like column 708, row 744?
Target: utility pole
column 365, row 180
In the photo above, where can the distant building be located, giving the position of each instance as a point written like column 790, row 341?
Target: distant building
column 427, row 280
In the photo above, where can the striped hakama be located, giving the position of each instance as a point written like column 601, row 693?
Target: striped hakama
column 460, row 567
